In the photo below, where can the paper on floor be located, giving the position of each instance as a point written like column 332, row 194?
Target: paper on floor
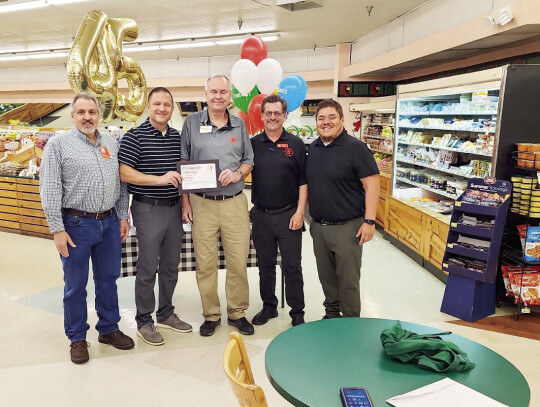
column 444, row 393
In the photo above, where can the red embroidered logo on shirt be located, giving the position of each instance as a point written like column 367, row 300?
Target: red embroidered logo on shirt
column 105, row 153
column 233, row 140
column 288, row 152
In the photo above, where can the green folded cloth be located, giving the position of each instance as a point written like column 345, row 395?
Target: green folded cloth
column 429, row 351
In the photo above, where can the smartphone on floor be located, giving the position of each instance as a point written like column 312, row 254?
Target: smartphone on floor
column 355, row 397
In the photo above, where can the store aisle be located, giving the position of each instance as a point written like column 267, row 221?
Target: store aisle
column 186, row 371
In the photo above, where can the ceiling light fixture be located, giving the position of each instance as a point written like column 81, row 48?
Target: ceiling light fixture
column 138, row 46
column 22, row 6
column 28, row 5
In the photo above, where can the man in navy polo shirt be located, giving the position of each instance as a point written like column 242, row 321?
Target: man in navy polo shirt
column 148, row 157
column 279, row 194
column 343, row 182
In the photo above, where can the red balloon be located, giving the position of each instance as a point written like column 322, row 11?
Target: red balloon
column 254, row 113
column 245, row 118
column 254, row 49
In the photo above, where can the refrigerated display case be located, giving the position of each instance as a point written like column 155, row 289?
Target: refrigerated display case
column 449, row 130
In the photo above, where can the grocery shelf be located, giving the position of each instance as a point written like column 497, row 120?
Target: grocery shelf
column 380, row 124
column 381, row 151
column 431, row 167
column 449, row 114
column 428, row 188
column 378, row 137
column 444, row 129
column 445, row 148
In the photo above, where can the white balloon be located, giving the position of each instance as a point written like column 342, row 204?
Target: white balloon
column 269, row 75
column 244, row 76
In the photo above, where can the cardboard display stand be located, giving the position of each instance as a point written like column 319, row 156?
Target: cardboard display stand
column 470, row 291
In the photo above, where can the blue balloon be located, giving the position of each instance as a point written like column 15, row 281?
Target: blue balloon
column 293, row 88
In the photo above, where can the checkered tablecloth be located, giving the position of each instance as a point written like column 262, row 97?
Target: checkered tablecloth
column 130, row 252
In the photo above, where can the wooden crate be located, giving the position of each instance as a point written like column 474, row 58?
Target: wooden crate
column 434, row 239
column 20, row 207
column 404, row 223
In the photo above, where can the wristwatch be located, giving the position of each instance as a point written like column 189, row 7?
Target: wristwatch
column 369, row 221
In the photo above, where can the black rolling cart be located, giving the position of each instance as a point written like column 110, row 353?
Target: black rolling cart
column 472, row 251
column 520, row 264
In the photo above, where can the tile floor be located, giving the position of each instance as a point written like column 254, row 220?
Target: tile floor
column 187, row 371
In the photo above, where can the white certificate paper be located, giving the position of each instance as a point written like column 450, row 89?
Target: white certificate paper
column 198, row 176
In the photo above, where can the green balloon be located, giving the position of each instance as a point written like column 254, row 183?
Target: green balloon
column 241, row 101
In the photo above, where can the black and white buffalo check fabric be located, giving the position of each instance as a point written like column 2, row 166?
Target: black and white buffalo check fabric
column 130, row 252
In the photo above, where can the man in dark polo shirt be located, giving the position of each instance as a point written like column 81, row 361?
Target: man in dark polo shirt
column 216, row 134
column 279, row 195
column 343, row 181
column 148, row 156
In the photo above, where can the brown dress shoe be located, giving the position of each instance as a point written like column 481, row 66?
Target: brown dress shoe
column 79, row 351
column 117, row 339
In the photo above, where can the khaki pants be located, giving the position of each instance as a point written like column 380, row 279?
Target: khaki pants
column 232, row 218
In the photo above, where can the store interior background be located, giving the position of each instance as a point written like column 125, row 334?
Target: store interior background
column 399, row 41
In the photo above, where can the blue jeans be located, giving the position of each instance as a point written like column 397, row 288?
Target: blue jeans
column 98, row 240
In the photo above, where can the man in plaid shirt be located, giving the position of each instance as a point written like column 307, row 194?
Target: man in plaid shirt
column 86, row 208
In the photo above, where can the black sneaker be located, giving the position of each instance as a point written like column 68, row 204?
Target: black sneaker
column 209, row 327
column 264, row 315
column 297, row 320
column 243, row 326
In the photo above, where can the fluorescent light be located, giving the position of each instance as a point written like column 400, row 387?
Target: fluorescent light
column 385, row 110
column 230, row 42
column 49, row 55
column 189, row 45
column 59, row 2
column 22, row 6
column 270, row 38
column 142, row 48
column 13, row 58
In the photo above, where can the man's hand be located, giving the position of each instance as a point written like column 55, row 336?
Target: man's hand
column 187, row 213
column 124, row 229
column 297, row 221
column 61, row 240
column 229, row 177
column 171, row 177
column 365, row 233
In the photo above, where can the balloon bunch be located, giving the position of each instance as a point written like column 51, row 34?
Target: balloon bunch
column 256, row 76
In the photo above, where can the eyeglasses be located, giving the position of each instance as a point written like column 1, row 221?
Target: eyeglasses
column 270, row 114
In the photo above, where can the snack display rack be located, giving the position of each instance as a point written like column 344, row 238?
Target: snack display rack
column 520, row 269
column 472, row 250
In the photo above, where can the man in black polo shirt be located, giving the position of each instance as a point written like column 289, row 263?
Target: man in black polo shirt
column 148, row 156
column 343, row 181
column 279, row 194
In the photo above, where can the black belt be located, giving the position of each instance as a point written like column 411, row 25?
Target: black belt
column 83, row 214
column 276, row 211
column 330, row 223
column 156, row 201
column 217, row 197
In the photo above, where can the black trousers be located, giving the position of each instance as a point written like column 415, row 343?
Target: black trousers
column 269, row 231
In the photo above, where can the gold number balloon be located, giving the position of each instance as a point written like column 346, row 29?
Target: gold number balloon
column 96, row 64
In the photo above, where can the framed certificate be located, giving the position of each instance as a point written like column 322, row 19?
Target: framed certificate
column 198, row 176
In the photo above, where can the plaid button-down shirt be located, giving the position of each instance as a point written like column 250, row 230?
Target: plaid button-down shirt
column 74, row 174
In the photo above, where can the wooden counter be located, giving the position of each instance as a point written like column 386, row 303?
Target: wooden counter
column 385, row 183
column 20, row 207
column 422, row 230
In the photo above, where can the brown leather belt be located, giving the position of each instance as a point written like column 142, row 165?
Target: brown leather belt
column 82, row 214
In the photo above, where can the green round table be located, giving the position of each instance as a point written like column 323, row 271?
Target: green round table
column 308, row 365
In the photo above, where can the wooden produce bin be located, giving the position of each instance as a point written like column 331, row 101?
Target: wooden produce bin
column 434, row 242
column 381, row 208
column 423, row 231
column 20, row 207
column 404, row 223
